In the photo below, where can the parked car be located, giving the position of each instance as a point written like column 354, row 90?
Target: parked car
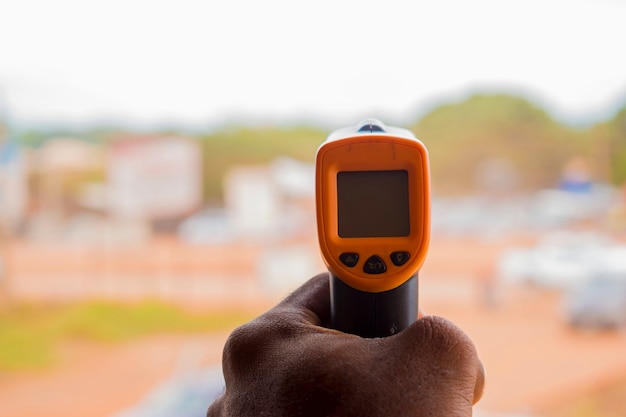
column 562, row 260
column 597, row 303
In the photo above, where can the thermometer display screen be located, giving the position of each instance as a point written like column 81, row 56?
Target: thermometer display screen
column 373, row 204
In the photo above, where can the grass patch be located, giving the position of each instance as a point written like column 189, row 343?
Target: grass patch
column 29, row 333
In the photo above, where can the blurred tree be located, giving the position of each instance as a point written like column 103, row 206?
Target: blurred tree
column 617, row 138
column 240, row 146
column 462, row 137
column 469, row 143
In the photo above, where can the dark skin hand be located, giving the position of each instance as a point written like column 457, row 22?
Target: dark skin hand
column 286, row 363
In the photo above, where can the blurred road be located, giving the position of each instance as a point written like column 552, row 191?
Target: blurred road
column 534, row 362
column 100, row 380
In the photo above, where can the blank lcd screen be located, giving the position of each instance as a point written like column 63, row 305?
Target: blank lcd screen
column 373, row 203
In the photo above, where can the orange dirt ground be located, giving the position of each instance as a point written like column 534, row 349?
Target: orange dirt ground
column 534, row 362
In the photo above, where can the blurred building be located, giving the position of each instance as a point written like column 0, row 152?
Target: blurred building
column 62, row 166
column 155, row 178
column 59, row 171
column 275, row 205
column 277, row 200
column 13, row 191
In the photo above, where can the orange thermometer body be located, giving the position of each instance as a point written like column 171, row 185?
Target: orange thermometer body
column 373, row 221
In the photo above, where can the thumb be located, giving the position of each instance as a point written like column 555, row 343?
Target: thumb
column 311, row 300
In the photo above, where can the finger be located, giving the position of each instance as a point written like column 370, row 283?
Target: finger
column 312, row 299
column 480, row 384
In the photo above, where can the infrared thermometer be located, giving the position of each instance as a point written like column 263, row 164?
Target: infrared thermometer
column 372, row 185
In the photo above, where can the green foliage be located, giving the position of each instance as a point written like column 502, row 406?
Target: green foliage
column 114, row 322
column 248, row 146
column 25, row 339
column 617, row 133
column 462, row 136
column 28, row 334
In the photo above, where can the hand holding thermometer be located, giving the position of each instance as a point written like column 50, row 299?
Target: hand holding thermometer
column 373, row 221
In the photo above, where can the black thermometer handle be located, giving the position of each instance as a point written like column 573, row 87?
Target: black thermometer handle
column 368, row 314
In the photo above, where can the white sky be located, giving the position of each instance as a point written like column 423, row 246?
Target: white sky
column 326, row 60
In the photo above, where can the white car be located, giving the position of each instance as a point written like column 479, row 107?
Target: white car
column 598, row 303
column 563, row 259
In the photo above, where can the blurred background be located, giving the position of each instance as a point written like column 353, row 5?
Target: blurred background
column 156, row 187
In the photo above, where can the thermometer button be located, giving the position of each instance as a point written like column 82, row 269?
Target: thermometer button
column 374, row 265
column 400, row 258
column 349, row 259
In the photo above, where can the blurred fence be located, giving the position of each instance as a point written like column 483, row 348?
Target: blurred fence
column 214, row 276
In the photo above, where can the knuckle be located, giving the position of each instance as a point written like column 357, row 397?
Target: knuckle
column 242, row 348
column 446, row 339
column 249, row 344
